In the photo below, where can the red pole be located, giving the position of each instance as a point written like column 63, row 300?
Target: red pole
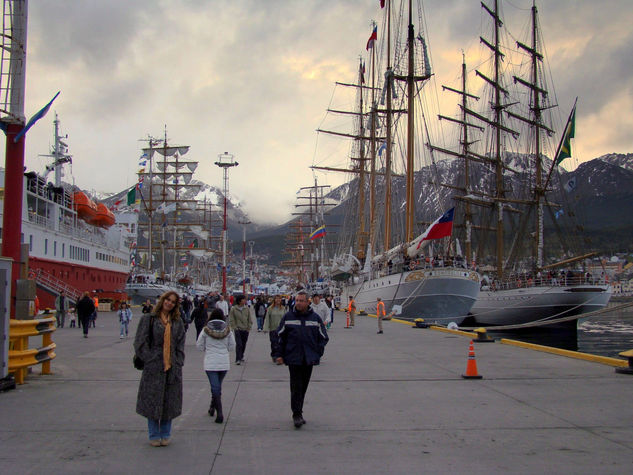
column 224, row 237
column 12, row 216
column 244, row 261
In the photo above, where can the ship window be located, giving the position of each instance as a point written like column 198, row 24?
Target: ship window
column 54, row 248
column 30, row 243
column 45, row 246
column 63, row 249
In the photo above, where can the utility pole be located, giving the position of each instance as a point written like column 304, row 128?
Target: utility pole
column 251, row 244
column 244, row 223
column 225, row 161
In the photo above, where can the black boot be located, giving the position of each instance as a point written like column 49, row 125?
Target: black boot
column 219, row 418
column 212, row 406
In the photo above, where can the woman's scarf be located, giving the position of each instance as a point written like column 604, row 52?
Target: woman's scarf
column 166, row 341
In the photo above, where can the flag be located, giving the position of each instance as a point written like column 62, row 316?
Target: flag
column 441, row 227
column 382, row 3
column 117, row 203
column 38, row 115
column 362, row 73
column 570, row 131
column 372, row 38
column 194, row 244
column 382, row 148
column 559, row 213
column 317, row 233
column 131, row 196
column 570, row 185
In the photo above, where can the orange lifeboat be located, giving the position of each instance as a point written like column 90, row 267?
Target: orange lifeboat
column 85, row 207
column 104, row 217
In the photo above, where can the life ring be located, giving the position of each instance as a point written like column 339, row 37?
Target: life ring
column 31, row 274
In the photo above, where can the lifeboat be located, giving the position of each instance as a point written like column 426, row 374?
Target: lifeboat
column 104, row 217
column 85, row 207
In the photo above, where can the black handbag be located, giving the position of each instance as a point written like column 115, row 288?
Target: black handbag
column 136, row 360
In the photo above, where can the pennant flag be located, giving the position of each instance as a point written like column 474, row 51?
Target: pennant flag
column 570, row 185
column 559, row 213
column 382, row 148
column 131, row 196
column 441, row 227
column 570, row 131
column 117, row 203
column 372, row 38
column 317, row 233
column 194, row 244
column 382, row 3
column 38, row 115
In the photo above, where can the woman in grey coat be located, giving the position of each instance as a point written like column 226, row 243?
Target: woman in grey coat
column 160, row 390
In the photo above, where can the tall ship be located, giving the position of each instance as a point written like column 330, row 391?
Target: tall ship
column 174, row 249
column 511, row 195
column 383, row 251
column 73, row 241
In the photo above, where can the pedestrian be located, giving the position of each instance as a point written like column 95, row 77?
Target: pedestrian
column 330, row 305
column 302, row 340
column 93, row 317
column 125, row 317
column 187, row 308
column 241, row 322
column 260, row 313
column 61, row 307
column 160, row 389
column 147, row 307
column 72, row 312
column 320, row 308
column 351, row 310
column 223, row 305
column 216, row 340
column 85, row 308
column 380, row 313
column 200, row 316
column 274, row 315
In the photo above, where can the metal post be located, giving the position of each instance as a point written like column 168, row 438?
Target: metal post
column 244, row 223
column 225, row 161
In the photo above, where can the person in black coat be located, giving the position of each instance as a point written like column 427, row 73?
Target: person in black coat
column 302, row 339
column 199, row 316
column 85, row 308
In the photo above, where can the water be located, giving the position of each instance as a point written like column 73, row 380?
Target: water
column 605, row 335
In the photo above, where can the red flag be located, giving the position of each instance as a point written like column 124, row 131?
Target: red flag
column 372, row 38
column 382, row 3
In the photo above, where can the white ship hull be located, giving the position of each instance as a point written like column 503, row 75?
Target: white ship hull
column 439, row 293
column 530, row 304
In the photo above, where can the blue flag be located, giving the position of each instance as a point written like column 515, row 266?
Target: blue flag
column 41, row 113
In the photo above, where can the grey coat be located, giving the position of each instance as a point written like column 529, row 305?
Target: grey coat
column 159, row 392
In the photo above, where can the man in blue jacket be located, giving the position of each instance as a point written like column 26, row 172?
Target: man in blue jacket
column 302, row 339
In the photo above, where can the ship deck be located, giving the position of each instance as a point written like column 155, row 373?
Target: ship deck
column 391, row 403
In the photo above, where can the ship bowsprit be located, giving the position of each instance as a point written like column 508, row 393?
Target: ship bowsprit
column 436, row 294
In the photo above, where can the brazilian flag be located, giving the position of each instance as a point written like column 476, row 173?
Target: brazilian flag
column 570, row 131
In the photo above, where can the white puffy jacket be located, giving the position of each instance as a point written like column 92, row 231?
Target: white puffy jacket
column 216, row 340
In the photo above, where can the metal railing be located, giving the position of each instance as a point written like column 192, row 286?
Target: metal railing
column 56, row 285
column 20, row 356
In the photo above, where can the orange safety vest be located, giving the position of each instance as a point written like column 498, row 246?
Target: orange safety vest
column 351, row 306
column 380, row 307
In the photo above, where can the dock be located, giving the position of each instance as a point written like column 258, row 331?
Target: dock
column 392, row 403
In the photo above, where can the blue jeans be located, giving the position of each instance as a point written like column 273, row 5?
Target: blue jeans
column 124, row 327
column 215, row 380
column 158, row 429
column 260, row 323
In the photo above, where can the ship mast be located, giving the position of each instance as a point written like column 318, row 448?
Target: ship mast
column 362, row 234
column 388, row 126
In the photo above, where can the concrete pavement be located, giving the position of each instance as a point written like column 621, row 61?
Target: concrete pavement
column 391, row 403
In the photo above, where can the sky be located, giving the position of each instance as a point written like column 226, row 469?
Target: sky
column 253, row 78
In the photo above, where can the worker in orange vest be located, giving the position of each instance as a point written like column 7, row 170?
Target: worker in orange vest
column 93, row 317
column 380, row 313
column 351, row 310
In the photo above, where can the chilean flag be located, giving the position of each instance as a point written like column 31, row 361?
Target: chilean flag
column 441, row 227
column 372, row 38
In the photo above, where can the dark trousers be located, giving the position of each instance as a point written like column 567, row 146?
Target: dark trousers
column 299, row 380
column 85, row 323
column 241, row 337
column 274, row 343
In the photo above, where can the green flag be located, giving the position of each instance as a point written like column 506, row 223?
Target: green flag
column 131, row 196
column 565, row 147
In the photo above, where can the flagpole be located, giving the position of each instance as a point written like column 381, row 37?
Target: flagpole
column 560, row 144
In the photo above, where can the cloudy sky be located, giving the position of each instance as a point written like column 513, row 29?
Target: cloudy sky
column 254, row 77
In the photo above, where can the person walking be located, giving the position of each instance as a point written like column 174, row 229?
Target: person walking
column 274, row 314
column 147, row 307
column 85, row 308
column 320, row 308
column 380, row 313
column 223, row 305
column 216, row 340
column 302, row 340
column 241, row 323
column 61, row 307
column 199, row 316
column 160, row 389
column 125, row 317
column 351, row 310
column 93, row 317
column 260, row 313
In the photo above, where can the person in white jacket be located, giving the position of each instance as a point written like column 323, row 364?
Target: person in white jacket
column 216, row 340
column 321, row 308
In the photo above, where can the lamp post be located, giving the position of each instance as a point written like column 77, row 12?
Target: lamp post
column 244, row 223
column 251, row 244
column 225, row 161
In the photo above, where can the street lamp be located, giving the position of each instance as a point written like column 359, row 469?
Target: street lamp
column 244, row 223
column 225, row 161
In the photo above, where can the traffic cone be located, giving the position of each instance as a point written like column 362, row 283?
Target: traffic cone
column 471, row 366
column 347, row 320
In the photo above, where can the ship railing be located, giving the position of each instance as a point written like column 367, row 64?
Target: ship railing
column 56, row 285
column 39, row 220
column 521, row 282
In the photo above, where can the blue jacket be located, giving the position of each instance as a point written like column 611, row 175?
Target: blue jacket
column 302, row 338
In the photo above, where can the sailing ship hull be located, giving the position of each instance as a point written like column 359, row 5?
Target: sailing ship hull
column 140, row 292
column 442, row 293
column 532, row 304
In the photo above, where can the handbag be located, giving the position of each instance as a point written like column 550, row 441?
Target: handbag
column 136, row 360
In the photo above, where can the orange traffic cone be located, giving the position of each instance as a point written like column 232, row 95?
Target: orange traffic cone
column 347, row 320
column 471, row 366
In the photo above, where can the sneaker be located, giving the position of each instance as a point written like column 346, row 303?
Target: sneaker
column 379, row 332
column 298, row 421
column 238, row 362
column 121, row 337
column 155, row 443
column 165, row 442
